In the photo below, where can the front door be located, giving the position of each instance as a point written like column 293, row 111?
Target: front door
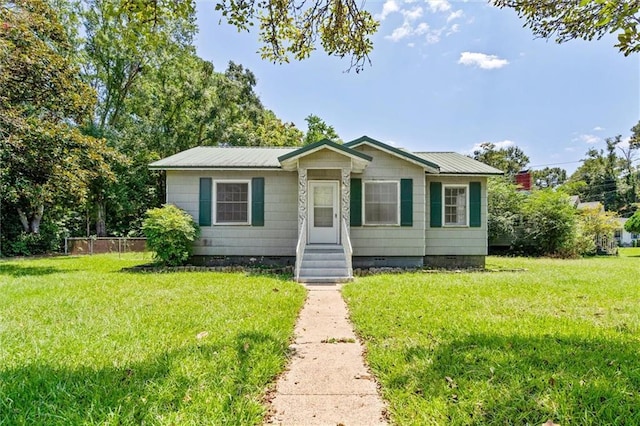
column 323, row 212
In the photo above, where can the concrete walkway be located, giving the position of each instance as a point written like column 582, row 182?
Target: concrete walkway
column 327, row 382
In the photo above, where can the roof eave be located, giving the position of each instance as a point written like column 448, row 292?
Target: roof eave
column 152, row 167
column 287, row 160
column 407, row 156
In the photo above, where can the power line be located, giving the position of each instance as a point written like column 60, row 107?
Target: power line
column 555, row 164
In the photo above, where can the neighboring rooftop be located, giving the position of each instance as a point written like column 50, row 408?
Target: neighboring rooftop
column 590, row 205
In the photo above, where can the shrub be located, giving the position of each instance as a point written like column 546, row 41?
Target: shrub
column 170, row 233
column 505, row 208
column 16, row 242
column 633, row 224
column 550, row 224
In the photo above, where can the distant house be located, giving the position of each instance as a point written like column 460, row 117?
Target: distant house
column 328, row 208
column 623, row 237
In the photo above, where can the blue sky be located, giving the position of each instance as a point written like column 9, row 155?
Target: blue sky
column 446, row 76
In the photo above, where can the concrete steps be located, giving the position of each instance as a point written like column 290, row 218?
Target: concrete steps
column 324, row 264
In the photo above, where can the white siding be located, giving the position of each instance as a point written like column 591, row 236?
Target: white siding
column 278, row 236
column 391, row 240
column 456, row 240
column 324, row 159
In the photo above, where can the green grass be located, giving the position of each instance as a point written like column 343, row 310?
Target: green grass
column 558, row 340
column 83, row 343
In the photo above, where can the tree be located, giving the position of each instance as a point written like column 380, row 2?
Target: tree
column 549, row 177
column 124, row 40
column 317, row 130
column 595, row 226
column 510, row 160
column 581, row 19
column 630, row 173
column 504, row 208
column 293, row 28
column 633, row 223
column 46, row 160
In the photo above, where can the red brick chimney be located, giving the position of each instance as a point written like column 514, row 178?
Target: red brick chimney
column 524, row 180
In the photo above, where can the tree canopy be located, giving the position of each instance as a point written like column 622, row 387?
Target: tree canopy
column 46, row 159
column 581, row 19
column 510, row 160
column 633, row 224
column 292, row 28
column 318, row 129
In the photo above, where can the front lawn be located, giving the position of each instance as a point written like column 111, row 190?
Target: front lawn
column 558, row 341
column 83, row 343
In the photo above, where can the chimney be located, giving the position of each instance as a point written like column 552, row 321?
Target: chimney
column 524, row 180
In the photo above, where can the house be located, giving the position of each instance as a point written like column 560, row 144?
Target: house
column 328, row 208
column 624, row 237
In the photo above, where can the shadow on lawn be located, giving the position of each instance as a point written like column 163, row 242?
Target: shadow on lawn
column 143, row 392
column 24, row 271
column 496, row 379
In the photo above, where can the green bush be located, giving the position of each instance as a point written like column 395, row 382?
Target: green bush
column 550, row 224
column 170, row 234
column 16, row 242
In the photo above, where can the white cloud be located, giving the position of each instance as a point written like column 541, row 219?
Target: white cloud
column 422, row 28
column 412, row 15
column 439, row 5
column 482, row 60
column 498, row 145
column 411, row 44
column 624, row 142
column 389, row 7
column 455, row 15
column 454, row 29
column 433, row 36
column 588, row 139
column 401, row 32
column 598, row 129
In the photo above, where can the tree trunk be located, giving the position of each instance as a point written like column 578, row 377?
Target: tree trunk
column 31, row 223
column 101, row 227
column 23, row 220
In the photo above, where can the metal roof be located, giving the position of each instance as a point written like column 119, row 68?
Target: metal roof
column 215, row 157
column 223, row 157
column 454, row 163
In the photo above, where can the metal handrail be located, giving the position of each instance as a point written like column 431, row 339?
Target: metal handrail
column 348, row 249
column 302, row 242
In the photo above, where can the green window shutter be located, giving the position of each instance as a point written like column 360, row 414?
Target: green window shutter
column 435, row 195
column 475, row 204
column 257, row 201
column 356, row 202
column 204, row 213
column 406, row 202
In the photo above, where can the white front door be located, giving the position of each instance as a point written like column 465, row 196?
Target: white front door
column 323, row 212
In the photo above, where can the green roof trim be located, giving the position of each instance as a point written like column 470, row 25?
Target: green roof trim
column 320, row 144
column 398, row 152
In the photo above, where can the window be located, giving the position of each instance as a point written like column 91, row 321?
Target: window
column 232, row 202
column 455, row 205
column 381, row 203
